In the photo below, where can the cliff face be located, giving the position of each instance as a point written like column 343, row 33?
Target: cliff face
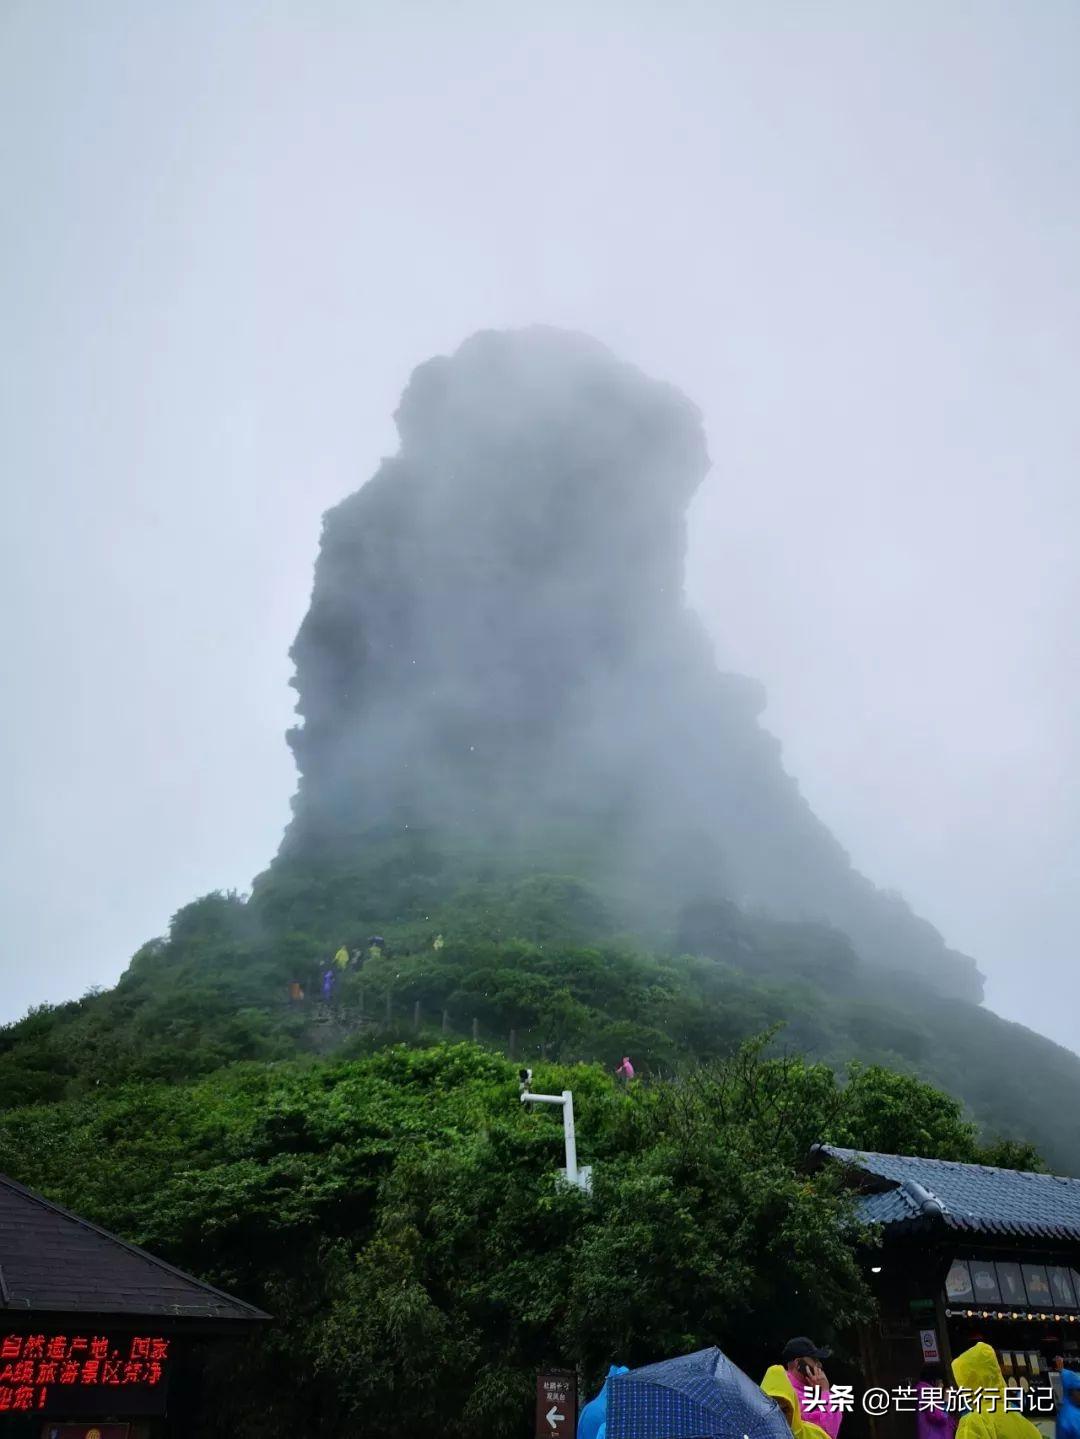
column 497, row 651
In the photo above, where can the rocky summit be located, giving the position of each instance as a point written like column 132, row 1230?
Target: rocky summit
column 498, row 656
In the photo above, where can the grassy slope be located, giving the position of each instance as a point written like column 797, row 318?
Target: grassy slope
column 537, row 956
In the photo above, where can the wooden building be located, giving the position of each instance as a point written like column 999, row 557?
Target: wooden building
column 967, row 1252
column 95, row 1334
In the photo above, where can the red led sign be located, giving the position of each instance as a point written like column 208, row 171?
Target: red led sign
column 46, row 1371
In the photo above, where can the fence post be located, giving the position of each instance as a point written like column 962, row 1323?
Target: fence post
column 445, row 1021
column 416, row 1015
column 475, row 1029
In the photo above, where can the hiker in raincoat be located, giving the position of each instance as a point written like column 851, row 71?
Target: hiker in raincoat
column 933, row 1420
column 802, row 1359
column 777, row 1385
column 341, row 960
column 1068, row 1419
column 978, row 1374
column 328, row 985
column 593, row 1417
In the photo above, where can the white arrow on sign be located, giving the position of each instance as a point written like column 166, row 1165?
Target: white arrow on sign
column 554, row 1417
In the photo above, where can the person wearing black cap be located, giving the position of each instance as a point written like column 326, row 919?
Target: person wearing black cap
column 802, row 1359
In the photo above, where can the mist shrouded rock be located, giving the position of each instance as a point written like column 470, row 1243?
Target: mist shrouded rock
column 498, row 656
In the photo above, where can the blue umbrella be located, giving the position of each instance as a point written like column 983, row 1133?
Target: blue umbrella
column 698, row 1396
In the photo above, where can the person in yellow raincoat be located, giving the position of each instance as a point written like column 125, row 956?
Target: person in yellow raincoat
column 341, row 960
column 777, row 1385
column 978, row 1374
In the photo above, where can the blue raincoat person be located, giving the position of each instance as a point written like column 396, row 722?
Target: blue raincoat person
column 1068, row 1419
column 592, row 1420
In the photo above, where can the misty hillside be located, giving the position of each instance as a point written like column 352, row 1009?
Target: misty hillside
column 522, row 769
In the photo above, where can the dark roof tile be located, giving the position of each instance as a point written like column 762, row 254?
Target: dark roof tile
column 973, row 1197
column 53, row 1260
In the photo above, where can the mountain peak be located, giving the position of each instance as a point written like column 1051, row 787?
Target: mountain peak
column 498, row 650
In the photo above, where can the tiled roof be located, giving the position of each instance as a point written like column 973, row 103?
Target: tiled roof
column 52, row 1260
column 973, row 1197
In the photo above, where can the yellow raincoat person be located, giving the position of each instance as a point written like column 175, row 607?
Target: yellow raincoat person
column 977, row 1371
column 777, row 1385
column 341, row 959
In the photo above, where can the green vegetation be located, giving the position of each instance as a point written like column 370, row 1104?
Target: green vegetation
column 373, row 1181
column 533, row 963
column 401, row 1217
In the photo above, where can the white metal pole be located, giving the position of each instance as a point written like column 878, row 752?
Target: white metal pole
column 566, row 1099
column 571, row 1138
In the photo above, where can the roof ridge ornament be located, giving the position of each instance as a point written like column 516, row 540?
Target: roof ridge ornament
column 923, row 1199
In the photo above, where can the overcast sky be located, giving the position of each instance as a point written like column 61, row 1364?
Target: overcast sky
column 851, row 232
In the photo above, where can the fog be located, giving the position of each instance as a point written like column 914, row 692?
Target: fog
column 847, row 232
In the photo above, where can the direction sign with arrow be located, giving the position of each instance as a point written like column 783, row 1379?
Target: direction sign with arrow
column 556, row 1404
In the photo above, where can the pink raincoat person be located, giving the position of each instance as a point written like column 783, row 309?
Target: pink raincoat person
column 802, row 1360
column 625, row 1069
